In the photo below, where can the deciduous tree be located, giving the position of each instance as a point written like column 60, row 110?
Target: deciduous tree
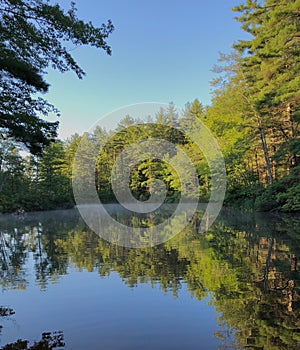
column 33, row 36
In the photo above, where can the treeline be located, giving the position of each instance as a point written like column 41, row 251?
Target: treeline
column 255, row 115
column 45, row 181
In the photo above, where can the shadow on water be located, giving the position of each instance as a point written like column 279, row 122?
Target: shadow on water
column 49, row 341
column 249, row 264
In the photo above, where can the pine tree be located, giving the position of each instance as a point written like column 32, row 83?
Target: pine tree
column 271, row 65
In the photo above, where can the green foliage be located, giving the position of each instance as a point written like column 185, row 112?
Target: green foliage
column 271, row 65
column 131, row 131
column 12, row 179
column 267, row 201
column 282, row 195
column 33, row 36
column 255, row 107
column 34, row 183
column 254, row 115
column 290, row 199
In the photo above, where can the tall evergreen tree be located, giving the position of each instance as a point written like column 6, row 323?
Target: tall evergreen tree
column 271, row 65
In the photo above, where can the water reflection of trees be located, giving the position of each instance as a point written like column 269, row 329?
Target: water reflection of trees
column 249, row 266
column 12, row 259
column 266, row 308
column 48, row 341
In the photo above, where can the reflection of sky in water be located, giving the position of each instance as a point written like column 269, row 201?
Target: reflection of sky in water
column 99, row 309
column 93, row 311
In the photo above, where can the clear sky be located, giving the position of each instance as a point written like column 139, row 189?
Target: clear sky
column 163, row 51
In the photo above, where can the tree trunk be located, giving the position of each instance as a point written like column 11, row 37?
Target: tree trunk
column 265, row 149
column 292, row 134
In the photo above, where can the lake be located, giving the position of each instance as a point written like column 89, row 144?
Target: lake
column 237, row 286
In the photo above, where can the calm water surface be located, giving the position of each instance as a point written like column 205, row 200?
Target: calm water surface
column 235, row 287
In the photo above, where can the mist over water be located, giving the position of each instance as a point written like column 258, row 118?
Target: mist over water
column 236, row 284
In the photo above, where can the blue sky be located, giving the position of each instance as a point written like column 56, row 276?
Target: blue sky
column 163, row 51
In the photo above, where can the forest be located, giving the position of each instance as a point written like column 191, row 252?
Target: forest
column 254, row 114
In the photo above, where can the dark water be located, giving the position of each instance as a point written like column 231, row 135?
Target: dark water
column 235, row 287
